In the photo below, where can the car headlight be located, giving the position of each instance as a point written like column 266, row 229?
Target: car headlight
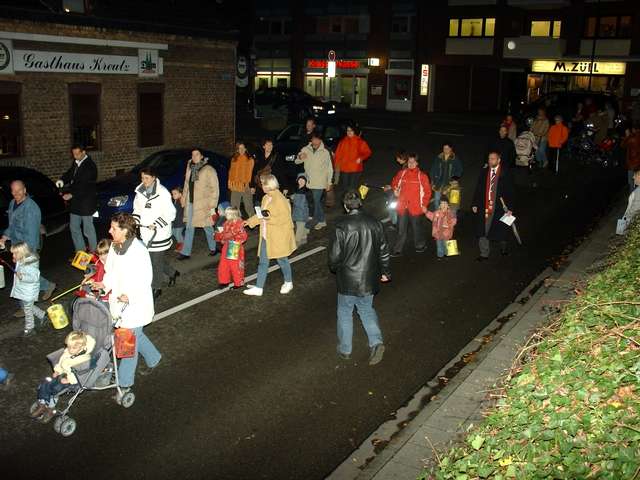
column 331, row 112
column 118, row 201
column 290, row 158
column 393, row 204
column 318, row 107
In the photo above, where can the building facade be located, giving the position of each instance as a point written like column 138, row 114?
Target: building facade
column 122, row 92
column 447, row 55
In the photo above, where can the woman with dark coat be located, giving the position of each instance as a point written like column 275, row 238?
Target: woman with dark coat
column 266, row 163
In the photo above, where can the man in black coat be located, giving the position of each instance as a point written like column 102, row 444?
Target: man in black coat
column 359, row 255
column 505, row 147
column 79, row 189
column 493, row 190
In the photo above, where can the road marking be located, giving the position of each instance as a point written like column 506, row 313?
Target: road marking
column 219, row 291
column 446, row 133
column 384, row 129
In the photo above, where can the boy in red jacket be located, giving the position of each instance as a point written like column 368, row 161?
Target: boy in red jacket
column 232, row 235
column 413, row 190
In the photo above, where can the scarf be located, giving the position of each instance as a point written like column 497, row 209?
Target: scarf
column 490, row 195
column 195, row 169
column 121, row 249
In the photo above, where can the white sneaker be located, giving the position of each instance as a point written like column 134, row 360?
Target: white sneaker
column 253, row 291
column 286, row 287
column 320, row 225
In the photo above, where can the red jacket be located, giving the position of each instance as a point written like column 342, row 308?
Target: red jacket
column 413, row 190
column 231, row 230
column 348, row 151
column 443, row 223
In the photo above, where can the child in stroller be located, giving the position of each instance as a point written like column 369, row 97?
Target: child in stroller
column 78, row 351
column 95, row 368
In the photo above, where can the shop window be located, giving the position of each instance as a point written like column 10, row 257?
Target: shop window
column 84, row 100
column 607, row 27
column 472, row 27
column 10, row 127
column 150, row 114
column 74, row 6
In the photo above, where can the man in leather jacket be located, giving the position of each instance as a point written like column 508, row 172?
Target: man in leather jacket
column 359, row 255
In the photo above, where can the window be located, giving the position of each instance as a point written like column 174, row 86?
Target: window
column 84, row 100
column 608, row 27
column 262, row 27
column 10, row 139
column 336, row 25
column 150, row 114
column 276, row 27
column 351, row 25
column 400, row 24
column 546, row 28
column 472, row 27
column 288, row 27
column 74, row 6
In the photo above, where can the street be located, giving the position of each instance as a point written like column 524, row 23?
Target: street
column 252, row 387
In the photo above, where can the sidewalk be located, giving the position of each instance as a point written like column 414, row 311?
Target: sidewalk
column 446, row 408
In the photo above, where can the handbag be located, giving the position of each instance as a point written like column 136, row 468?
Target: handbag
column 621, row 226
column 124, row 343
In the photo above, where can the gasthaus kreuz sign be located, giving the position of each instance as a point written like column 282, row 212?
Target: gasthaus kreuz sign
column 146, row 64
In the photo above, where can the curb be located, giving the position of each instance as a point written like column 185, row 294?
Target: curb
column 449, row 404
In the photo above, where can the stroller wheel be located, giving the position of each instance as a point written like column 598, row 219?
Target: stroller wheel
column 128, row 399
column 67, row 427
column 57, row 423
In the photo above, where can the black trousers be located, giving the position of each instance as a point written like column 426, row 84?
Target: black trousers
column 417, row 225
column 350, row 181
column 160, row 268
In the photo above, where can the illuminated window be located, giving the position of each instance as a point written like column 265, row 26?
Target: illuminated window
column 489, row 27
column 557, row 25
column 471, row 27
column 590, row 27
column 540, row 28
column 608, row 27
column 454, row 25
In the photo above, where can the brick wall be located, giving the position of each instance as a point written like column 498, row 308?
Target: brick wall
column 199, row 105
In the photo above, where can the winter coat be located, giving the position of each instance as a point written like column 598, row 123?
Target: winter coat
column 80, row 182
column 442, row 170
column 205, row 195
column 540, row 128
column 317, row 167
column 632, row 145
column 414, row 191
column 265, row 166
column 231, row 231
column 633, row 205
column 506, row 149
column 24, row 223
column 443, row 223
column 277, row 228
column 240, row 172
column 558, row 135
column 27, row 288
column 348, row 151
column 359, row 254
column 505, row 189
column 154, row 208
column 178, row 221
column 302, row 200
column 67, row 361
column 129, row 272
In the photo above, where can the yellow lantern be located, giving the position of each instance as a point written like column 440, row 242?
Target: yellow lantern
column 363, row 190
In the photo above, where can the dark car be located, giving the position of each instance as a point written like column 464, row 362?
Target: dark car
column 293, row 103
column 55, row 216
column 566, row 104
column 116, row 194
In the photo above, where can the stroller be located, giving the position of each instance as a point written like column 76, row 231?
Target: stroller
column 99, row 373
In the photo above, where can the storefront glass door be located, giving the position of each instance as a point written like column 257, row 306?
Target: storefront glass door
column 399, row 92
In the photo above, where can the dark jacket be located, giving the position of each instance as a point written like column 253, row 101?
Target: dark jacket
column 498, row 231
column 442, row 170
column 359, row 254
column 263, row 166
column 80, row 182
column 507, row 150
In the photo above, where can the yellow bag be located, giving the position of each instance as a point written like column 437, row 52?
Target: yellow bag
column 452, row 248
column 81, row 260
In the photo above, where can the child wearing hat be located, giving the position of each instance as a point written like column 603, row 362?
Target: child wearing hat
column 443, row 219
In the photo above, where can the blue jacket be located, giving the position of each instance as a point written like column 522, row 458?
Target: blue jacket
column 27, row 288
column 24, row 223
column 300, row 210
column 442, row 170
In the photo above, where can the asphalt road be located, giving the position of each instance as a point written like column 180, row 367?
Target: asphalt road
column 252, row 387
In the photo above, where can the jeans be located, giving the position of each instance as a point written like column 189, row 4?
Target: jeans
column 144, row 347
column 437, row 195
column 263, row 266
column 31, row 310
column 368, row 317
column 403, row 229
column 82, row 226
column 318, row 207
column 245, row 198
column 49, row 388
column 541, row 152
column 160, row 268
column 301, row 233
column 178, row 234
column 441, row 246
column 190, row 230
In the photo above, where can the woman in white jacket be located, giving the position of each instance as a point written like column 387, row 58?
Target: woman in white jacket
column 154, row 211
column 127, row 277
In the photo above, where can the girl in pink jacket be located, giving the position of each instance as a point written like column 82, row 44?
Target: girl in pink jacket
column 444, row 219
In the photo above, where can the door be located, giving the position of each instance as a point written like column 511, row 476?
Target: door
column 360, row 91
column 399, row 92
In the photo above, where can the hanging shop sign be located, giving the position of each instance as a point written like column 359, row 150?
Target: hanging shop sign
column 424, row 80
column 578, row 67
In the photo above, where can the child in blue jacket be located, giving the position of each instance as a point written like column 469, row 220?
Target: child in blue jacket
column 26, row 285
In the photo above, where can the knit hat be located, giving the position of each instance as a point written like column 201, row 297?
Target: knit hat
column 301, row 175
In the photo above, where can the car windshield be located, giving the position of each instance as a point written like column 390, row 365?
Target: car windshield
column 164, row 163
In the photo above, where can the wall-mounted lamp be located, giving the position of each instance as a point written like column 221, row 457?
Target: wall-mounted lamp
column 374, row 62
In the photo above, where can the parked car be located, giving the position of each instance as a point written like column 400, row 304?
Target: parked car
column 116, row 194
column 292, row 103
column 566, row 104
column 55, row 216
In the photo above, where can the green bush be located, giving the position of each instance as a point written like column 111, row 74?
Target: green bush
column 571, row 410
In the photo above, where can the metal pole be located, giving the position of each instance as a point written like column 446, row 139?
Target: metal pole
column 558, row 159
column 593, row 44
